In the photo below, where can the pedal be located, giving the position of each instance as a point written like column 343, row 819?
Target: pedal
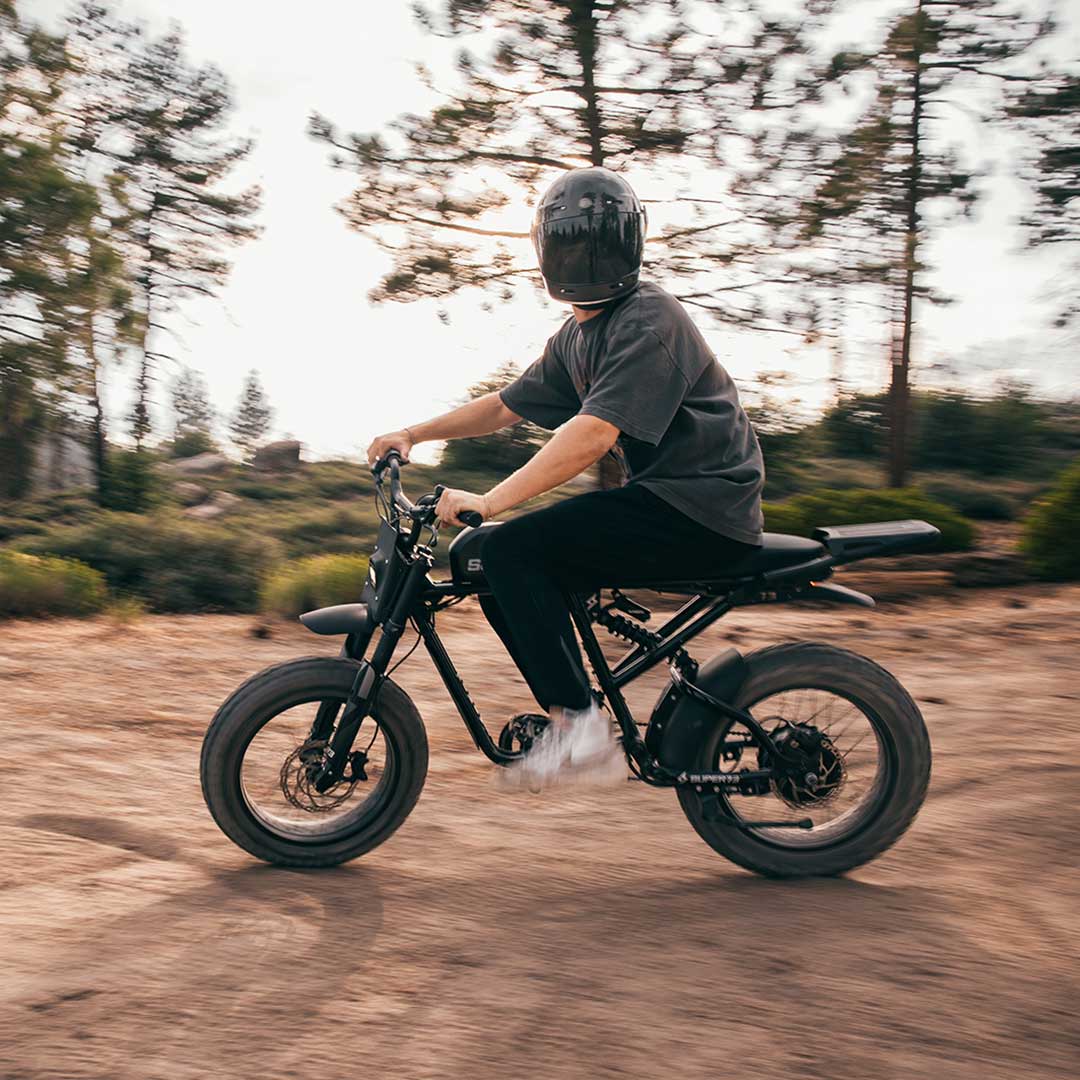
column 623, row 603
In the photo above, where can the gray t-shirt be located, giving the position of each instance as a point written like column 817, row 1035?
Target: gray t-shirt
column 643, row 366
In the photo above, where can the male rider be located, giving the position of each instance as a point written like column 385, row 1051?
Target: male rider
column 630, row 374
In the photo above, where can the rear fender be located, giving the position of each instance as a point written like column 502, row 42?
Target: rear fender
column 679, row 724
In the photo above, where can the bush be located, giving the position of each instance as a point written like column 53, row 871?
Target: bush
column 30, row 585
column 171, row 563
column 325, row 530
column 1052, row 528
column 190, row 443
column 974, row 500
column 804, row 513
column 130, row 483
column 315, row 582
column 856, row 426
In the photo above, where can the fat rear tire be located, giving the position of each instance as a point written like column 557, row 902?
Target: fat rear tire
column 876, row 692
column 272, row 691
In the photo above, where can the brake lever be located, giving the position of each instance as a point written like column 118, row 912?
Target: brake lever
column 472, row 518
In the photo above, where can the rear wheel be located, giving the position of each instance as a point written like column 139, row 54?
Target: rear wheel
column 867, row 780
column 262, row 750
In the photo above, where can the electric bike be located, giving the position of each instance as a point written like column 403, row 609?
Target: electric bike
column 794, row 760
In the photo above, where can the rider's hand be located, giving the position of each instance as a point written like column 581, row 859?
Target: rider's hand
column 381, row 445
column 453, row 502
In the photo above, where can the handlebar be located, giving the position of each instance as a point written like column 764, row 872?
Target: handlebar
column 424, row 511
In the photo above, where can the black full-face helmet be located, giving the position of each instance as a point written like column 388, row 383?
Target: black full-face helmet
column 589, row 235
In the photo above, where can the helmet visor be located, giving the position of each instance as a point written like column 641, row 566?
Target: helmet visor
column 590, row 249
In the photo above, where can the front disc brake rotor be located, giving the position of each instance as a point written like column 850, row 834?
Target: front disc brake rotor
column 297, row 779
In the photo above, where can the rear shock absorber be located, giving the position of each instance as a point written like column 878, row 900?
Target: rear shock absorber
column 620, row 626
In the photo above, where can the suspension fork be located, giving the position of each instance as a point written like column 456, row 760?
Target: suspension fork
column 370, row 675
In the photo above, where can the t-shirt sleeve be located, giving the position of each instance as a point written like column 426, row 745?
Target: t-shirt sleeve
column 636, row 386
column 543, row 392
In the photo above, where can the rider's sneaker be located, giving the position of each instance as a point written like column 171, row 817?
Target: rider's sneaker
column 576, row 750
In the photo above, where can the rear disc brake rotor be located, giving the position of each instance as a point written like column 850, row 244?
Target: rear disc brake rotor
column 814, row 779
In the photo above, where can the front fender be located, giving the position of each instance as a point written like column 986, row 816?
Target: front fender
column 679, row 724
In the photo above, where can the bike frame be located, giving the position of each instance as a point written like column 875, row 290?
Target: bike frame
column 414, row 598
column 678, row 630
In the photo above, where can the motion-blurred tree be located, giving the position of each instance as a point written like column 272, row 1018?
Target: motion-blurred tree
column 175, row 158
column 193, row 417
column 251, row 420
column 503, row 451
column 656, row 88
column 104, row 320
column 42, row 213
column 1050, row 111
column 879, row 174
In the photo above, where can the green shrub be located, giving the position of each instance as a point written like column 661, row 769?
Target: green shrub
column 130, row 483
column 30, row 585
column 802, row 514
column 190, row 443
column 315, row 582
column 169, row 562
column 1052, row 528
column 974, row 500
column 325, row 529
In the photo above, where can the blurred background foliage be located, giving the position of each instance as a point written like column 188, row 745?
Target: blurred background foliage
column 122, row 201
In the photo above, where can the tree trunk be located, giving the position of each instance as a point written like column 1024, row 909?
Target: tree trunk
column 98, row 422
column 583, row 20
column 899, row 394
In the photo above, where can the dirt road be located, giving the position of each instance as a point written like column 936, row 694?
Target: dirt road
column 579, row 935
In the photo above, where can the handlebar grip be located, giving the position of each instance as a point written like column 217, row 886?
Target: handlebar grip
column 472, row 518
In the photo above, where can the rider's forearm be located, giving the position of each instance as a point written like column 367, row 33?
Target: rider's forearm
column 574, row 447
column 481, row 416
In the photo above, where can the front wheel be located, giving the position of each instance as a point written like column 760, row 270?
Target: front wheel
column 869, row 777
column 264, row 745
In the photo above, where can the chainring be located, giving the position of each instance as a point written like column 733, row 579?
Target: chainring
column 297, row 780
column 521, row 731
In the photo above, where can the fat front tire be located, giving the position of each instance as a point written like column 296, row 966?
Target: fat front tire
column 898, row 792
column 271, row 693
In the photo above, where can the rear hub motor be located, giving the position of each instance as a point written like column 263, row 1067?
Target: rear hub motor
column 810, row 770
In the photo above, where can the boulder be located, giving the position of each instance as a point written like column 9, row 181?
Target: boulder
column 220, row 503
column 200, row 464
column 280, row 456
column 190, row 493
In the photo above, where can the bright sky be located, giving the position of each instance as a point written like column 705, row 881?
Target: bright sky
column 338, row 370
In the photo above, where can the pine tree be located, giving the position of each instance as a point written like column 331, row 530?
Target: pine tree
column 182, row 221
column 104, row 318
column 44, row 211
column 630, row 84
column 503, row 450
column 251, row 420
column 193, row 417
column 1050, row 112
column 869, row 208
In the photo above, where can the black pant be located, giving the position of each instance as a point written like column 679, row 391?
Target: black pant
column 602, row 538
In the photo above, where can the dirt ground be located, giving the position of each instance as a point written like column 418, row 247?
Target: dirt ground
column 501, row 936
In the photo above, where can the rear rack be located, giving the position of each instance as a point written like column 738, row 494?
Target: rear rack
column 848, row 542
